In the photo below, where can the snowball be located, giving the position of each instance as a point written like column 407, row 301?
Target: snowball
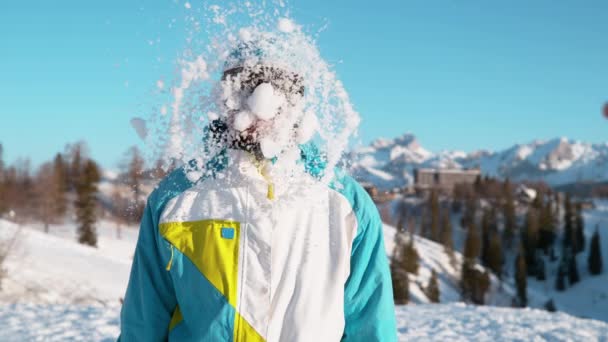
column 270, row 149
column 245, row 35
column 212, row 116
column 307, row 127
column 264, row 102
column 139, row 125
column 187, row 5
column 286, row 25
column 243, row 120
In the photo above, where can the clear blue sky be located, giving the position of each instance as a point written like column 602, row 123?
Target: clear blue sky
column 458, row 74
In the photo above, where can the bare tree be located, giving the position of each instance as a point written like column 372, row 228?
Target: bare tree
column 50, row 196
column 133, row 174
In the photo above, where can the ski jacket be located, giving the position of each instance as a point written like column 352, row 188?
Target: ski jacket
column 218, row 260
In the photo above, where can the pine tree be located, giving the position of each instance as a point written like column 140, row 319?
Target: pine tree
column 472, row 282
column 529, row 239
column 485, row 237
column 76, row 164
column 541, row 274
column 411, row 258
column 594, row 260
column 568, row 231
column 495, row 259
column 509, row 214
column 470, row 209
column 435, row 219
column 573, row 276
column 579, row 228
column 432, row 289
column 86, row 203
column 446, row 233
column 472, row 244
column 398, row 269
column 560, row 281
column 546, row 226
column 401, row 285
column 521, row 278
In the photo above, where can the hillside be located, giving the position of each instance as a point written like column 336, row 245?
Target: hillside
column 588, row 298
column 389, row 163
column 60, row 290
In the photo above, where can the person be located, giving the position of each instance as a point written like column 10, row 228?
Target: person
column 238, row 255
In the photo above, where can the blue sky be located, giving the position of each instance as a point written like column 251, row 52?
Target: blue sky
column 458, row 74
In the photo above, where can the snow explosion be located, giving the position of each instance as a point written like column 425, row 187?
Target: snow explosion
column 262, row 83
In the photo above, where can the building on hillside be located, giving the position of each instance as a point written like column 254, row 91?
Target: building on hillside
column 443, row 179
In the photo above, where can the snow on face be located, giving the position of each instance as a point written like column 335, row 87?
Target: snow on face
column 298, row 99
column 264, row 102
column 243, row 120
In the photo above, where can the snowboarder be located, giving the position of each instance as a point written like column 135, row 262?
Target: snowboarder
column 239, row 255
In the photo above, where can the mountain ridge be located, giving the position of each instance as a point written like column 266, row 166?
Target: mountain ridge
column 390, row 163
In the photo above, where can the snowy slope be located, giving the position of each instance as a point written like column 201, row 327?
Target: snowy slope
column 441, row 322
column 53, row 268
column 58, row 290
column 557, row 162
column 589, row 297
column 459, row 322
column 433, row 257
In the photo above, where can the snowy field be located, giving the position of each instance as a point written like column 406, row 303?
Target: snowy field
column 59, row 290
column 422, row 322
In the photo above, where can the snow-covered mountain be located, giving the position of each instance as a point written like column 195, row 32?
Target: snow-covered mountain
column 389, row 163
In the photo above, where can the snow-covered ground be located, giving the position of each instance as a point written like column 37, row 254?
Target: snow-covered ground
column 426, row 322
column 54, row 268
column 459, row 322
column 59, row 290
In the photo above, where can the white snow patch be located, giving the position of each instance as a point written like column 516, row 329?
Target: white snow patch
column 286, row 25
column 264, row 102
column 243, row 120
column 459, row 322
column 307, row 127
column 270, row 148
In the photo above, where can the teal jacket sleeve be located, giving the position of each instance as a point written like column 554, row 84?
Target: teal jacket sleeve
column 150, row 298
column 368, row 299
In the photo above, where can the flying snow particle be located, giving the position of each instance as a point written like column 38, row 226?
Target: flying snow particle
column 269, row 147
column 160, row 84
column 212, row 116
column 139, row 125
column 187, row 5
column 245, row 35
column 307, row 127
column 286, row 25
column 163, row 110
column 243, row 120
column 264, row 102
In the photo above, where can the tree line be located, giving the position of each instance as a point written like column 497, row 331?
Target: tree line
column 67, row 188
column 497, row 224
